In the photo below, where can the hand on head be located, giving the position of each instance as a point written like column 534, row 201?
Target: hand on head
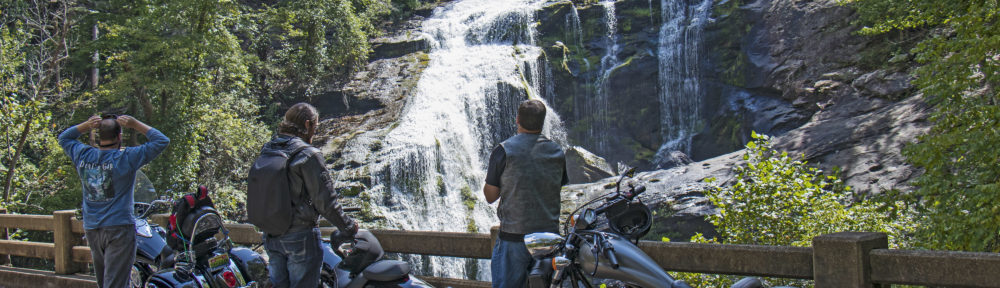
column 93, row 122
column 125, row 121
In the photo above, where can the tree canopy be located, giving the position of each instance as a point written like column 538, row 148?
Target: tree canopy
column 959, row 76
column 212, row 75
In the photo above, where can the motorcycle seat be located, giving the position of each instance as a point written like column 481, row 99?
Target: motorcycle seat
column 386, row 270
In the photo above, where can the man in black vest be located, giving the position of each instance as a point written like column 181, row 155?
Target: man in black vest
column 526, row 172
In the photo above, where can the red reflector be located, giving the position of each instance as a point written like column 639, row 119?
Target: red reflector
column 230, row 278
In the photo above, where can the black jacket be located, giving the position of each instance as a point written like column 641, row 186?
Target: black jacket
column 311, row 187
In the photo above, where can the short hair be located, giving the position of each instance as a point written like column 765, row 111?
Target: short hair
column 531, row 114
column 296, row 117
column 108, row 130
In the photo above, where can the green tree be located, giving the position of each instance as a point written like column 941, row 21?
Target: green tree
column 778, row 199
column 178, row 66
column 299, row 47
column 34, row 50
column 959, row 76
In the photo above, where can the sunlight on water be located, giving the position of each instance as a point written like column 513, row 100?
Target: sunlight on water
column 431, row 165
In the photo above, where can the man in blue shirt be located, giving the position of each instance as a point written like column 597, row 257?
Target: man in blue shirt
column 108, row 176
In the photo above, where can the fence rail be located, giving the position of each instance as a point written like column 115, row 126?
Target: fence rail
column 846, row 259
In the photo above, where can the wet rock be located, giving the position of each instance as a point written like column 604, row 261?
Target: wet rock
column 584, row 167
column 883, row 84
column 672, row 159
column 395, row 47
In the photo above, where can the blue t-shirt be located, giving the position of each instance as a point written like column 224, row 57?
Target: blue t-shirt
column 108, row 176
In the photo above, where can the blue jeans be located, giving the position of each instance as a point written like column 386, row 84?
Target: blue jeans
column 295, row 259
column 510, row 264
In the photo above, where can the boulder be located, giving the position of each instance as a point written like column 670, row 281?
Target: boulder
column 671, row 159
column 584, row 167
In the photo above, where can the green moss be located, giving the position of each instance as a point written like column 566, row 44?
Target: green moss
column 728, row 51
column 376, row 146
column 440, row 185
column 610, row 185
column 468, row 199
column 471, row 227
column 351, row 191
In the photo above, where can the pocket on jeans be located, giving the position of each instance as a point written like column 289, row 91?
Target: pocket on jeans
column 294, row 247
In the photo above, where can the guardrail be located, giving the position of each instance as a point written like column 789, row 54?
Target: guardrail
column 846, row 259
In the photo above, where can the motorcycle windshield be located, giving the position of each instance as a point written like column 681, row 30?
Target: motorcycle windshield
column 143, row 190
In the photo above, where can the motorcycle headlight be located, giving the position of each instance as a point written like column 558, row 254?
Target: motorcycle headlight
column 142, row 228
column 542, row 244
column 585, row 219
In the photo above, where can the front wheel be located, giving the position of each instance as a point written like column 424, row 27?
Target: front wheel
column 139, row 275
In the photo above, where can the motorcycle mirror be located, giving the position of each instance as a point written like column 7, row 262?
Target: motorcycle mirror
column 630, row 172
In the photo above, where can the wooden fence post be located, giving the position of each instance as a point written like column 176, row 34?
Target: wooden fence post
column 62, row 232
column 4, row 258
column 842, row 260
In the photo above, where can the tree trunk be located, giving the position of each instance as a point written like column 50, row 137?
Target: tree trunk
column 95, row 72
column 13, row 160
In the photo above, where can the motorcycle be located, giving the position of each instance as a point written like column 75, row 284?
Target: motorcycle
column 608, row 253
column 206, row 262
column 152, row 252
column 358, row 263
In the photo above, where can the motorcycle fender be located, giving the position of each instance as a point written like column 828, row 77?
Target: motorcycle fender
column 169, row 278
column 251, row 265
column 331, row 266
column 148, row 249
column 634, row 265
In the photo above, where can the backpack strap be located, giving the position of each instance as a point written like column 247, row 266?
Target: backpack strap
column 291, row 156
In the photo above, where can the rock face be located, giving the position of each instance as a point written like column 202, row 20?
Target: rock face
column 585, row 167
column 793, row 69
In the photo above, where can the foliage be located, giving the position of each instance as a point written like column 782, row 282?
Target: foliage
column 960, row 76
column 37, row 176
column 299, row 45
column 778, row 199
column 176, row 65
column 211, row 75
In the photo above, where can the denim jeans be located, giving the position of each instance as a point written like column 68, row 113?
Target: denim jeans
column 510, row 264
column 113, row 250
column 295, row 259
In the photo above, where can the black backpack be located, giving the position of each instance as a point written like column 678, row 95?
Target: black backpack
column 269, row 199
column 179, row 229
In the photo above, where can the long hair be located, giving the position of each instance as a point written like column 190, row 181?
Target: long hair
column 296, row 117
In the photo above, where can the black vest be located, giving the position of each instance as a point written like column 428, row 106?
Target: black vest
column 530, row 184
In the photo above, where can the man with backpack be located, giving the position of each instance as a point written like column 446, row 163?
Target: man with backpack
column 108, row 177
column 289, row 188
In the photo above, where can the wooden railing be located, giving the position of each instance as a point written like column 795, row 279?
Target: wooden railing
column 847, row 259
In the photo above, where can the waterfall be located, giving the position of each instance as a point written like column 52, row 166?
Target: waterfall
column 427, row 170
column 599, row 107
column 680, row 84
column 574, row 30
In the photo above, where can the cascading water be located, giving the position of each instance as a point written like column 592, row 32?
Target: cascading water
column 427, row 169
column 599, row 108
column 574, row 30
column 680, row 84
